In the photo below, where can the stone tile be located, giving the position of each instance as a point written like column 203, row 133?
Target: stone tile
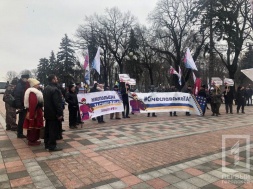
column 165, row 171
column 210, row 186
column 3, row 178
column 194, row 172
column 183, row 175
column 5, row 185
column 158, row 183
column 145, row 177
column 170, row 179
column 131, row 180
column 184, row 185
column 21, row 182
column 208, row 178
column 17, row 175
column 107, row 186
column 118, row 185
column 224, row 184
column 121, row 173
column 142, row 186
column 197, row 182
column 155, row 174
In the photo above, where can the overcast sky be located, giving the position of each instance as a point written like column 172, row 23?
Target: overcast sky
column 30, row 29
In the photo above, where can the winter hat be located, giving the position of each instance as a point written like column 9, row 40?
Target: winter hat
column 25, row 76
column 33, row 82
column 14, row 82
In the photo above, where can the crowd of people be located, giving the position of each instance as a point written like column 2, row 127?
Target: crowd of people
column 33, row 105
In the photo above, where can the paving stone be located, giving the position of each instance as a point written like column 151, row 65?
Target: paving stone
column 3, row 178
column 142, row 186
column 118, row 185
column 104, row 187
column 197, row 181
column 145, row 177
column 183, row 175
column 208, row 178
column 171, row 179
column 184, row 185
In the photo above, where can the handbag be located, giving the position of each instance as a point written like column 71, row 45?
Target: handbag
column 42, row 132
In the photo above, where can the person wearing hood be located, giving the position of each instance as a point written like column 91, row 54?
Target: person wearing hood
column 33, row 102
column 71, row 99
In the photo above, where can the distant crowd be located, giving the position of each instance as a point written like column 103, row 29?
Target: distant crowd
column 33, row 104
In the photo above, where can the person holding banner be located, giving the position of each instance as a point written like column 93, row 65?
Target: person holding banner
column 71, row 99
column 188, row 90
column 229, row 97
column 125, row 100
column 215, row 100
column 240, row 99
column 117, row 116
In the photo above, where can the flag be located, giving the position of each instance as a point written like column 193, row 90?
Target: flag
column 202, row 102
column 197, row 86
column 86, row 67
column 86, row 61
column 173, row 71
column 194, row 77
column 179, row 75
column 188, row 60
column 96, row 61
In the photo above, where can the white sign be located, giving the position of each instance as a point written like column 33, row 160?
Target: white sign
column 163, row 102
column 216, row 81
column 132, row 81
column 124, row 77
column 229, row 82
column 99, row 103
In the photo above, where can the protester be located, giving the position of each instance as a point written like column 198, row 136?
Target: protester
column 19, row 93
column 229, row 97
column 188, row 90
column 215, row 100
column 172, row 89
column 249, row 94
column 125, row 100
column 97, row 88
column 33, row 102
column 53, row 113
column 202, row 93
column 10, row 110
column 71, row 99
column 117, row 115
column 78, row 89
column 152, row 90
column 240, row 99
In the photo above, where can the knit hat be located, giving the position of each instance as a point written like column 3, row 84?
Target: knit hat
column 25, row 76
column 33, row 82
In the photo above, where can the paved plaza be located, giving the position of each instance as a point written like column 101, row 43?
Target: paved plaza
column 140, row 153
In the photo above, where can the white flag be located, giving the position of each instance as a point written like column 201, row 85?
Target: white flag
column 194, row 77
column 96, row 61
column 188, row 60
column 179, row 75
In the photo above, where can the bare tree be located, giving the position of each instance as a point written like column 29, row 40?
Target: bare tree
column 10, row 75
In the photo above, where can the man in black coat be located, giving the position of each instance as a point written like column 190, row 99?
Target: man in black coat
column 173, row 89
column 53, row 113
column 188, row 90
column 19, row 93
column 229, row 97
column 125, row 99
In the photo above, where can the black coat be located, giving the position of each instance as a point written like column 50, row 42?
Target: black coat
column 229, row 97
column 124, row 94
column 71, row 99
column 240, row 96
column 52, row 102
column 19, row 93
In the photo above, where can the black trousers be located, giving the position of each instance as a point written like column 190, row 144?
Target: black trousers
column 21, row 119
column 72, row 116
column 215, row 108
column 229, row 107
column 78, row 116
column 240, row 105
column 126, row 109
column 51, row 133
column 100, row 119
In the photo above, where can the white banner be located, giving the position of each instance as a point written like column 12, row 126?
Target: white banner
column 164, row 102
column 124, row 77
column 248, row 73
column 132, row 81
column 229, row 82
column 216, row 81
column 99, row 103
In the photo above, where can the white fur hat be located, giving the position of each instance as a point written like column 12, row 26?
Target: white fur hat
column 33, row 82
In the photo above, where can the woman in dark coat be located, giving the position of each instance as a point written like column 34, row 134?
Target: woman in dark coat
column 71, row 99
